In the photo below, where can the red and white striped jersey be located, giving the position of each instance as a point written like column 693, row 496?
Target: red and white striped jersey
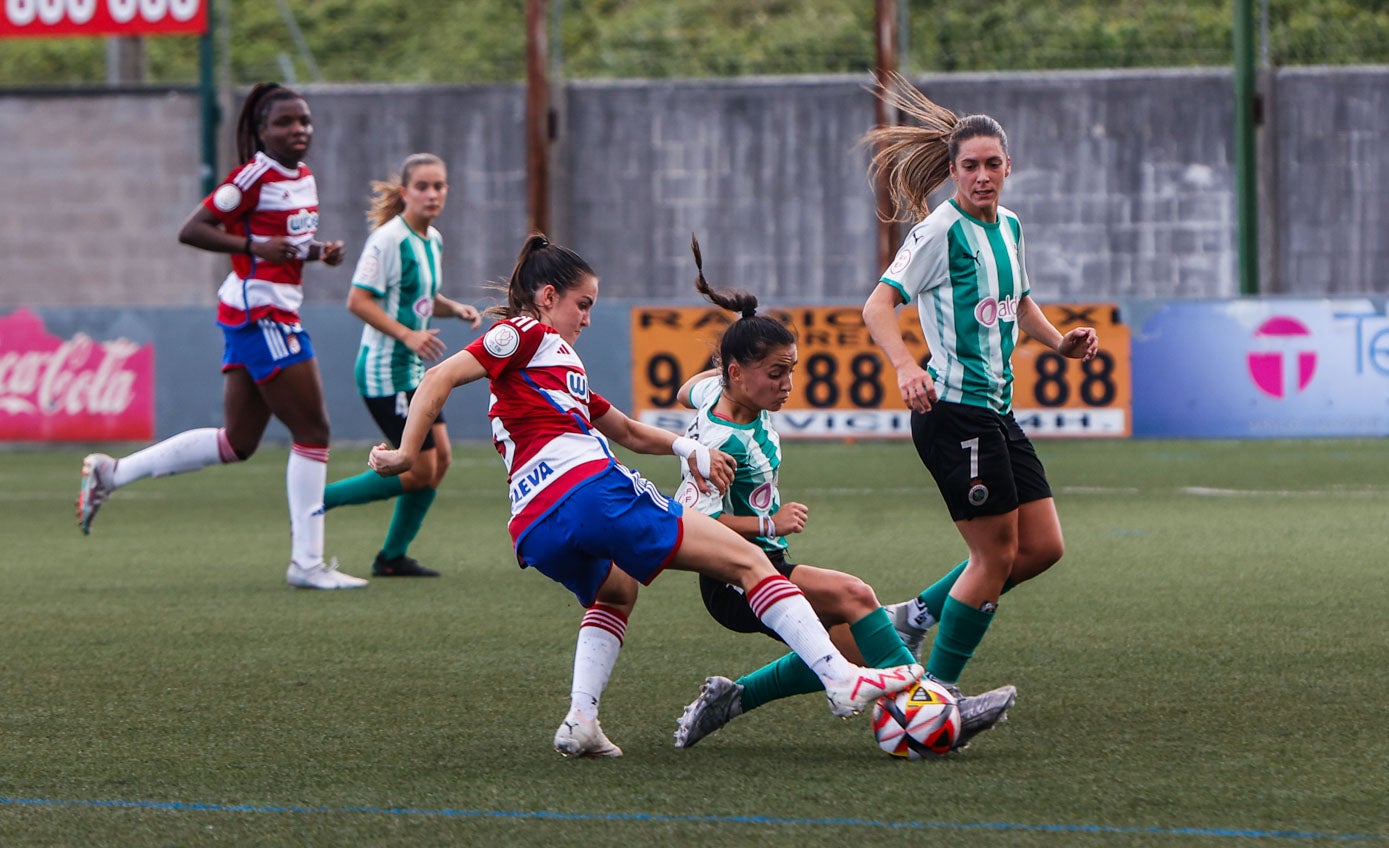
column 262, row 198
column 542, row 412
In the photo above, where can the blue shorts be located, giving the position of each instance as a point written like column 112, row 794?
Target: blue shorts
column 615, row 518
column 265, row 347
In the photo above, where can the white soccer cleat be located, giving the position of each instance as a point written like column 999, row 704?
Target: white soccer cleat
column 324, row 575
column 97, row 472
column 719, row 702
column 853, row 695
column 911, row 635
column 581, row 736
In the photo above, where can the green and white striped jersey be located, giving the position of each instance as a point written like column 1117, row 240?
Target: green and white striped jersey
column 401, row 268
column 967, row 278
column 756, row 448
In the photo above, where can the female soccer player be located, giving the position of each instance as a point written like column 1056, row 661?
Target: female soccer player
column 757, row 355
column 965, row 267
column 576, row 512
column 265, row 213
column 395, row 291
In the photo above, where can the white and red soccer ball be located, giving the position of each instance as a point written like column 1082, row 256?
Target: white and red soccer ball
column 920, row 722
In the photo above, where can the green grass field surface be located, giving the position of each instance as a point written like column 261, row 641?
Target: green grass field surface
column 1209, row 665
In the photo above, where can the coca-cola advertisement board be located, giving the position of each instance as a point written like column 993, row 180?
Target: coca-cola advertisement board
column 72, row 390
column 30, row 18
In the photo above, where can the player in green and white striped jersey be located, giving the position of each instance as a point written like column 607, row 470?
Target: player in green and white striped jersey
column 733, row 404
column 395, row 291
column 964, row 268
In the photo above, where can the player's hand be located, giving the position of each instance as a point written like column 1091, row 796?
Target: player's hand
column 917, row 387
column 791, row 518
column 425, row 343
column 276, row 249
column 332, row 253
column 469, row 313
column 721, row 468
column 388, row 461
column 1081, row 343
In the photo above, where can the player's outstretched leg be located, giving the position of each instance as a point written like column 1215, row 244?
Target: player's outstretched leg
column 582, row 736
column 97, row 471
column 719, row 702
column 852, row 695
column 980, row 712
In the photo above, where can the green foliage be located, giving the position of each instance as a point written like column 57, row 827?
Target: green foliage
column 1204, row 666
column 479, row 41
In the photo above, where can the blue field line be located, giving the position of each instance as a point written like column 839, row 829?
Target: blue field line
column 545, row 815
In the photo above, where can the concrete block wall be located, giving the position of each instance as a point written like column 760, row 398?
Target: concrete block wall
column 1124, row 181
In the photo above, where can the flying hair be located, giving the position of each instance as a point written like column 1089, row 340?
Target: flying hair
column 914, row 160
column 751, row 337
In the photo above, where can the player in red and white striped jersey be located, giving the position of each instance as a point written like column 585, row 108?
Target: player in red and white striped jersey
column 576, row 512
column 265, row 214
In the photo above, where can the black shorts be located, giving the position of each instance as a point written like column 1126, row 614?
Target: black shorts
column 730, row 607
column 983, row 462
column 389, row 413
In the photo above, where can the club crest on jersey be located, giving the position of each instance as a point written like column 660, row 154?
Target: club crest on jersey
column 302, row 222
column 292, row 342
column 991, row 310
column 502, row 340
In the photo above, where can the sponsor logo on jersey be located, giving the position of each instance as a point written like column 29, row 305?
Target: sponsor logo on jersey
column 992, row 310
column 305, row 221
column 530, row 483
column 502, row 340
column 424, row 307
column 578, row 385
column 761, row 497
column 226, row 198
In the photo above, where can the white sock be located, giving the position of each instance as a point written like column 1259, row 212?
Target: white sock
column 305, row 478
column 188, row 451
column 918, row 616
column 595, row 653
column 782, row 606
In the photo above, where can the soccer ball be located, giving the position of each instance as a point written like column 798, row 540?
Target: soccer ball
column 920, row 722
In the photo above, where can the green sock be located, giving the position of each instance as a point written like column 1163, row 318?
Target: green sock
column 410, row 510
column 364, row 488
column 962, row 628
column 780, row 678
column 878, row 641
column 933, row 596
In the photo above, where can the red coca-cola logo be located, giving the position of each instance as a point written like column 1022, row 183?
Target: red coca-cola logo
column 75, row 389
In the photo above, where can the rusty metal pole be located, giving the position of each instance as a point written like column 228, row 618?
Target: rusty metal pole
column 886, row 64
column 538, row 115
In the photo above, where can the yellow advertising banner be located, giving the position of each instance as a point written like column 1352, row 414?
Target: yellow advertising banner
column 845, row 389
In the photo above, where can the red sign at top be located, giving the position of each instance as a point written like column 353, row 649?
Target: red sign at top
column 29, row 18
